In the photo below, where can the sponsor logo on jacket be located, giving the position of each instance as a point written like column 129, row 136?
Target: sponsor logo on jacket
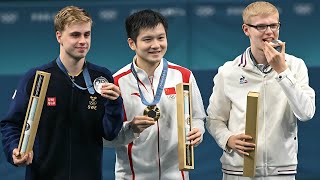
column 243, row 80
column 51, row 101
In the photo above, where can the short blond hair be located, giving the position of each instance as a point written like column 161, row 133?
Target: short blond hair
column 258, row 8
column 69, row 15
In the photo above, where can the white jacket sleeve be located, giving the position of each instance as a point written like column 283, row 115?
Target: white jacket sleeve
column 300, row 95
column 125, row 136
column 198, row 112
column 218, row 112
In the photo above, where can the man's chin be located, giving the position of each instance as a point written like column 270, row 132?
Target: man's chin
column 156, row 58
column 155, row 61
column 78, row 58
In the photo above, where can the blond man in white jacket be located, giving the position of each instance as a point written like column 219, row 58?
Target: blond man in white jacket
column 285, row 97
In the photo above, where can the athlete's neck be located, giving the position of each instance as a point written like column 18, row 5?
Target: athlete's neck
column 73, row 66
column 148, row 67
column 259, row 56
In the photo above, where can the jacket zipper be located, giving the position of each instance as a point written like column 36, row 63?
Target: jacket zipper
column 264, row 121
column 70, row 129
column 159, row 162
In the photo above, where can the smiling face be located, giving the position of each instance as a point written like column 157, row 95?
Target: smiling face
column 73, row 32
column 75, row 40
column 150, row 46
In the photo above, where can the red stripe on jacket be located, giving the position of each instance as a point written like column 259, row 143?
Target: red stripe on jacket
column 184, row 71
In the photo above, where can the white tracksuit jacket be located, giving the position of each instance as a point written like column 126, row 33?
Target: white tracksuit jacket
column 283, row 99
column 153, row 154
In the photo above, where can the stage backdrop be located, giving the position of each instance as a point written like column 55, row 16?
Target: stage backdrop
column 202, row 36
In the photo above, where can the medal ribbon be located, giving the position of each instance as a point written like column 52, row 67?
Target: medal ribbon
column 86, row 75
column 160, row 85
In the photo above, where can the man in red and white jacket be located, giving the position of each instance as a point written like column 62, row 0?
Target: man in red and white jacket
column 148, row 149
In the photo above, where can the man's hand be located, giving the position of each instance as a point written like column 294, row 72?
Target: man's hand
column 194, row 136
column 110, row 91
column 238, row 143
column 275, row 59
column 140, row 123
column 21, row 161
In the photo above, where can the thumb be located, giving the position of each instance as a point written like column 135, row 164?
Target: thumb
column 16, row 152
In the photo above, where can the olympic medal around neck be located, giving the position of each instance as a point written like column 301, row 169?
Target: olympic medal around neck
column 276, row 44
column 98, row 82
column 153, row 112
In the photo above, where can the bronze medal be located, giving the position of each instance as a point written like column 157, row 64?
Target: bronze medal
column 152, row 111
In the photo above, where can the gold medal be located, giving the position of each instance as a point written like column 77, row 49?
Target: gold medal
column 152, row 111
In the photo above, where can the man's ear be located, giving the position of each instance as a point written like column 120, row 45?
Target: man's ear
column 58, row 36
column 245, row 29
column 131, row 44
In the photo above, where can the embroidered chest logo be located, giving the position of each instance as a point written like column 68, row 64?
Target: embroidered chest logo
column 51, row 101
column 92, row 103
column 243, row 80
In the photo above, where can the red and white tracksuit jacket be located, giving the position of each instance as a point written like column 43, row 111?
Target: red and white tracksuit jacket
column 153, row 154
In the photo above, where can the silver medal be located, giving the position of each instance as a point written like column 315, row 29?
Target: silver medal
column 98, row 82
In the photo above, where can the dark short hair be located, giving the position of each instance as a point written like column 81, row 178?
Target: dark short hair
column 144, row 19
